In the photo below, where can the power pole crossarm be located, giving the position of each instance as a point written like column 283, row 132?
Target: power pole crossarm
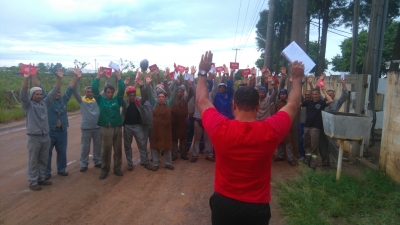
column 236, row 49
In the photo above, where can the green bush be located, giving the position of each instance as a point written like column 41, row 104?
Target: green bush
column 8, row 115
column 73, row 105
column 317, row 198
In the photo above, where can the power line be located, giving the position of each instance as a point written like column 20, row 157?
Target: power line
column 315, row 24
column 245, row 18
column 252, row 27
column 334, row 32
column 237, row 23
column 251, row 21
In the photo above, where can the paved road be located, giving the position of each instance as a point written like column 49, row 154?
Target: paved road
column 139, row 197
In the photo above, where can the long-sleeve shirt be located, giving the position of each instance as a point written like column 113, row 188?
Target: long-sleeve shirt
column 337, row 103
column 110, row 115
column 89, row 109
column 153, row 102
column 57, row 111
column 267, row 106
column 36, row 112
column 144, row 117
column 223, row 101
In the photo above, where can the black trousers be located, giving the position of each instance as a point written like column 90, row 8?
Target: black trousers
column 229, row 211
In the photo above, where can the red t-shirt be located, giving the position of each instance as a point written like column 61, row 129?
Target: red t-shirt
column 244, row 153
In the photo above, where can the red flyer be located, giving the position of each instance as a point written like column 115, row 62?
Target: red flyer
column 181, row 68
column 321, row 84
column 107, row 71
column 25, row 69
column 153, row 68
column 219, row 69
column 172, row 75
column 234, row 65
column 276, row 80
column 246, row 72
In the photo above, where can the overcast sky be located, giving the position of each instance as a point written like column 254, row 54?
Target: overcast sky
column 163, row 32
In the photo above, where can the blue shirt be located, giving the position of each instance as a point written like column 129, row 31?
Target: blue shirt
column 223, row 101
column 58, row 110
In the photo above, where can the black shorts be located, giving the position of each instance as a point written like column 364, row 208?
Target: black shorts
column 230, row 211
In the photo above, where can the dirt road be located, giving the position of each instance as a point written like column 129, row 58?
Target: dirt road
column 139, row 197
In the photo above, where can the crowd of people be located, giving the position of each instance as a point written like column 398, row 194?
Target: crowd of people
column 239, row 129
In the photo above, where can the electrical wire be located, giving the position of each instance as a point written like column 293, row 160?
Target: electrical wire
column 244, row 23
column 315, row 24
column 237, row 23
column 334, row 32
column 253, row 19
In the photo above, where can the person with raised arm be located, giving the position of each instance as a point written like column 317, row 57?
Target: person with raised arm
column 90, row 131
column 267, row 100
column 313, row 125
column 37, row 129
column 58, row 124
column 161, row 134
column 133, row 117
column 110, row 121
column 223, row 93
column 244, row 148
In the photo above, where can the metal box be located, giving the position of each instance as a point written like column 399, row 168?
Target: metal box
column 346, row 126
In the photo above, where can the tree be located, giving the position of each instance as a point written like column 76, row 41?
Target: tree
column 126, row 65
column 81, row 65
column 342, row 62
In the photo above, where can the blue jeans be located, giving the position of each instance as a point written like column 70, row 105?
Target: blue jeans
column 301, row 139
column 59, row 139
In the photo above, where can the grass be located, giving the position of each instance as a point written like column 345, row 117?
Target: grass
column 7, row 115
column 316, row 198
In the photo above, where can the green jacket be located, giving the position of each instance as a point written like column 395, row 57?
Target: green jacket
column 110, row 114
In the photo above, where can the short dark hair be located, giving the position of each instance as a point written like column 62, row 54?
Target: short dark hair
column 109, row 86
column 317, row 90
column 246, row 98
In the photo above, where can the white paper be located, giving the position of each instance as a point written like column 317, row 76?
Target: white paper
column 189, row 76
column 293, row 52
column 114, row 66
column 213, row 70
column 343, row 76
column 176, row 75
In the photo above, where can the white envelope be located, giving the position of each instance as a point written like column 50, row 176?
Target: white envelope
column 114, row 66
column 189, row 76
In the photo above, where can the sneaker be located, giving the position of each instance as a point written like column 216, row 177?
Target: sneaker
column 155, row 168
column 292, row 162
column 194, row 159
column 98, row 165
column 64, row 174
column 35, row 188
column 103, row 175
column 44, row 182
column 184, row 157
column 118, row 173
column 130, row 167
column 277, row 159
column 211, row 158
column 148, row 166
column 174, row 158
column 83, row 169
column 47, row 176
column 170, row 167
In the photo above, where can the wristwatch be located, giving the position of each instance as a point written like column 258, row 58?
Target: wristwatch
column 202, row 73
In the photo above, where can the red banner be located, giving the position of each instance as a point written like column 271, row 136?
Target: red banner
column 107, row 70
column 234, row 65
column 28, row 69
column 153, row 68
column 246, row 72
column 219, row 69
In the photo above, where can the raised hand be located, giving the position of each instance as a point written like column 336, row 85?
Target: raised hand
column 157, row 71
column 310, row 79
column 139, row 82
column 190, row 82
column 60, row 72
column 27, row 75
column 322, row 77
column 127, row 81
column 297, row 70
column 193, row 70
column 77, row 72
column 148, row 78
column 226, row 70
column 266, row 73
column 206, row 61
column 100, row 72
column 253, row 71
column 166, row 74
column 263, row 70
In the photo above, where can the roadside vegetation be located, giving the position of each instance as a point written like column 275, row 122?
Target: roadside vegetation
column 316, row 198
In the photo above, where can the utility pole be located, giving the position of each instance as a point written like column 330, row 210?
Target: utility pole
column 236, row 49
column 269, row 43
column 355, row 37
column 95, row 66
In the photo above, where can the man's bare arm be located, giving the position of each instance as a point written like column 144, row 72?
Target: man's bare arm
column 293, row 105
column 201, row 91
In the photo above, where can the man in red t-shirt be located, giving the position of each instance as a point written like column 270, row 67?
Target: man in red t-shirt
column 244, row 149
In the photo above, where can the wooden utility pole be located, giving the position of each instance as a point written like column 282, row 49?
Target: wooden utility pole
column 269, row 41
column 353, row 61
column 236, row 49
